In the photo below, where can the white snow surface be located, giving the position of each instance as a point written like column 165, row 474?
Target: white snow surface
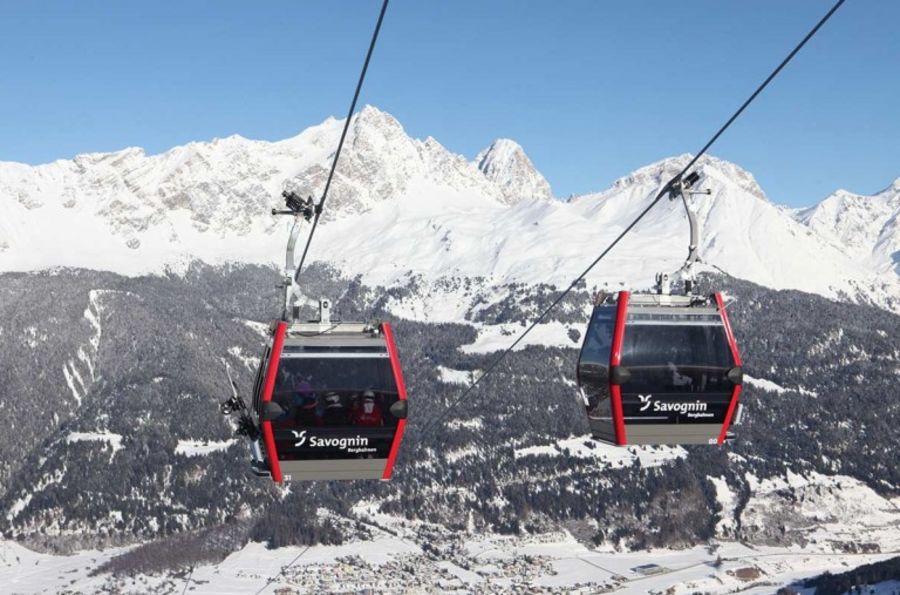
column 866, row 226
column 506, row 163
column 114, row 441
column 772, row 387
column 452, row 376
column 402, row 208
column 498, row 337
column 585, row 447
column 764, row 384
column 827, row 509
column 194, row 448
column 559, row 563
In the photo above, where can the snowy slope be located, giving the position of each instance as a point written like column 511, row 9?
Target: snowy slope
column 402, row 208
column 866, row 226
column 742, row 234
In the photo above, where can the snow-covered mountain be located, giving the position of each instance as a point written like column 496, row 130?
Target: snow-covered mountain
column 402, row 208
column 868, row 227
column 506, row 163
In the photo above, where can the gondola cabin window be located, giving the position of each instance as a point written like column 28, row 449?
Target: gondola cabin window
column 593, row 369
column 337, row 402
column 260, row 377
column 676, row 354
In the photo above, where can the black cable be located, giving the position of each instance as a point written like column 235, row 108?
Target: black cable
column 577, row 280
column 663, row 192
column 188, row 581
column 337, row 154
column 765, row 83
column 284, row 569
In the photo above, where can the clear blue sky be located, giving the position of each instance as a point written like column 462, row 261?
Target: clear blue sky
column 591, row 89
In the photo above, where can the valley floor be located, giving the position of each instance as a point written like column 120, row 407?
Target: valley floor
column 553, row 562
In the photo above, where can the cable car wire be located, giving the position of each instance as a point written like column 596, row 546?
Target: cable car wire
column 665, row 190
column 283, row 570
column 321, row 204
column 188, row 581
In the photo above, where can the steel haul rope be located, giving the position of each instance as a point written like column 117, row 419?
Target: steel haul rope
column 668, row 186
column 362, row 77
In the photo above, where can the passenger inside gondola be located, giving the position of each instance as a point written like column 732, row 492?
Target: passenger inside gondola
column 334, row 413
column 368, row 412
column 679, row 379
column 333, row 392
column 306, row 405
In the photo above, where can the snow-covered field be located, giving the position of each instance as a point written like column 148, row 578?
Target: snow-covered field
column 549, row 563
column 614, row 456
column 397, row 559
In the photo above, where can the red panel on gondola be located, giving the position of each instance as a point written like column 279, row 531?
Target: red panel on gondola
column 271, row 374
column 732, row 344
column 401, row 391
column 615, row 360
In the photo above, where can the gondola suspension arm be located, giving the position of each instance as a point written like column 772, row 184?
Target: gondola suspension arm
column 299, row 208
column 681, row 188
column 666, row 189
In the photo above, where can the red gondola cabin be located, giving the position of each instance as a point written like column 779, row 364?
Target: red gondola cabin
column 330, row 402
column 660, row 369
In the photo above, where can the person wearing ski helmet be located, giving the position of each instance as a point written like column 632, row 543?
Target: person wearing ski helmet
column 369, row 413
column 334, row 414
column 305, row 405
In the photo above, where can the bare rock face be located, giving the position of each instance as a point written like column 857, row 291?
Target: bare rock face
column 506, row 164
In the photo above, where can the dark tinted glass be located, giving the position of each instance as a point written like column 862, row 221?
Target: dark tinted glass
column 335, row 408
column 593, row 363
column 679, row 358
column 336, row 373
column 260, row 377
column 598, row 340
column 331, row 391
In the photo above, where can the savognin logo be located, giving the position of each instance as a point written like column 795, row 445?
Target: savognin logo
column 692, row 409
column 645, row 402
column 350, row 444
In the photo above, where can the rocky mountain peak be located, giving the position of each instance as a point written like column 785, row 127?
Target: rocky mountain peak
column 867, row 226
column 664, row 170
column 505, row 163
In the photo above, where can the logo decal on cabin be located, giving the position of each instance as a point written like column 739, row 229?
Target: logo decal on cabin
column 352, row 444
column 690, row 408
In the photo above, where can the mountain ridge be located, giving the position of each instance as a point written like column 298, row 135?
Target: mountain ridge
column 426, row 212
